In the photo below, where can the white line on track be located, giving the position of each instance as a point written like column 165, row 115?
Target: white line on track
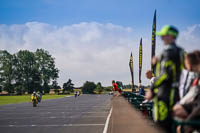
column 65, row 125
column 49, row 109
column 52, row 113
column 107, row 121
column 52, row 117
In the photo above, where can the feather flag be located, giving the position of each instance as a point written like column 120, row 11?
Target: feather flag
column 140, row 61
column 131, row 70
column 153, row 40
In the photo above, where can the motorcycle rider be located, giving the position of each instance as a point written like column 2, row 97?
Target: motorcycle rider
column 39, row 96
column 75, row 94
column 34, row 99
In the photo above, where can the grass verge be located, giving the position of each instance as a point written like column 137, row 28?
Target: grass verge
column 25, row 98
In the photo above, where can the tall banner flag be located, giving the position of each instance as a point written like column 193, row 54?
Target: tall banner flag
column 131, row 70
column 140, row 61
column 153, row 40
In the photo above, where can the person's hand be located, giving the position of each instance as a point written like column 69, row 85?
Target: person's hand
column 155, row 60
column 179, row 111
column 149, row 95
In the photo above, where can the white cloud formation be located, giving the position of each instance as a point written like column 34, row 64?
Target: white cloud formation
column 190, row 38
column 88, row 50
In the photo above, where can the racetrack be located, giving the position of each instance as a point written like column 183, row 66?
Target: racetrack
column 84, row 114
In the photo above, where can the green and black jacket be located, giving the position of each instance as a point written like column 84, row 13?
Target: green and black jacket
column 168, row 71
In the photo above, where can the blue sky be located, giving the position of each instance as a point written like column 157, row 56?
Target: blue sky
column 134, row 13
column 95, row 35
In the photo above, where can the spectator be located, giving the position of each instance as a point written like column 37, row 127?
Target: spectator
column 150, row 76
column 120, row 86
column 115, row 88
column 186, row 80
column 189, row 107
column 141, row 90
column 168, row 69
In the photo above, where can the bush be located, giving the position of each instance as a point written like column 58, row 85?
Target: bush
column 109, row 88
column 19, row 90
column 88, row 87
column 99, row 88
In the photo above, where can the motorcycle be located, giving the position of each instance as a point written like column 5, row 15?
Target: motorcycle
column 39, row 97
column 75, row 94
column 34, row 100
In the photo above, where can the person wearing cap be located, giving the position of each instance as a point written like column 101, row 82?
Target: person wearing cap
column 169, row 65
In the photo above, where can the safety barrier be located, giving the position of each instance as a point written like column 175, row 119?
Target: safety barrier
column 147, row 110
column 194, row 123
column 137, row 101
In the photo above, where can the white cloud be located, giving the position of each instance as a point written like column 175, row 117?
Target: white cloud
column 190, row 38
column 86, row 51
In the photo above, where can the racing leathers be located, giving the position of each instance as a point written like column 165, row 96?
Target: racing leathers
column 165, row 87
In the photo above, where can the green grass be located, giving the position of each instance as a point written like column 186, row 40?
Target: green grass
column 25, row 98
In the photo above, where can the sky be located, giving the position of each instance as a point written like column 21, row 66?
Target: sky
column 92, row 39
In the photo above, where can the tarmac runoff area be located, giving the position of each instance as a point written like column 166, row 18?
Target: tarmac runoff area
column 84, row 114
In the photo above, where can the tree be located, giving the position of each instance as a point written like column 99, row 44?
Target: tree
column 19, row 89
column 55, row 86
column 46, row 68
column 99, row 88
column 88, row 87
column 68, row 86
column 26, row 70
column 6, row 71
column 129, row 86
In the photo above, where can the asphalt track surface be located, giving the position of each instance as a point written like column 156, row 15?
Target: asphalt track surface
column 84, row 114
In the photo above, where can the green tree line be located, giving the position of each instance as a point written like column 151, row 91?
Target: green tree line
column 27, row 71
column 90, row 88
